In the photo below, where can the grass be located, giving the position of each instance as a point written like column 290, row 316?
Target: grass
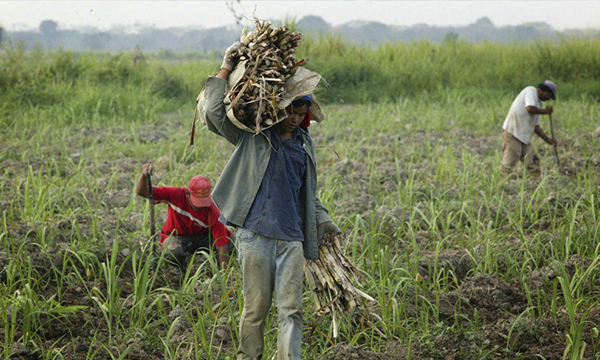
column 461, row 262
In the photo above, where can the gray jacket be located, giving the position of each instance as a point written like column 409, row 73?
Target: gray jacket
column 238, row 184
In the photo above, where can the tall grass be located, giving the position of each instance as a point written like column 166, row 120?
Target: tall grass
column 63, row 86
column 392, row 71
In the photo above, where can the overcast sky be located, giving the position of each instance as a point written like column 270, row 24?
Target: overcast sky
column 107, row 14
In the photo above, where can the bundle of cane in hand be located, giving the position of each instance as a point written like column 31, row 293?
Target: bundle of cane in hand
column 333, row 279
column 267, row 54
column 334, row 283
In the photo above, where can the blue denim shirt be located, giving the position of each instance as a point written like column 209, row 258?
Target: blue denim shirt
column 275, row 212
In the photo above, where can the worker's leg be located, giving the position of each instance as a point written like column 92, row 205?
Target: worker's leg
column 289, row 274
column 198, row 242
column 257, row 261
column 174, row 252
column 531, row 161
column 511, row 152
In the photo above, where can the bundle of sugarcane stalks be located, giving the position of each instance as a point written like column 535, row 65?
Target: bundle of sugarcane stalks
column 269, row 61
column 332, row 280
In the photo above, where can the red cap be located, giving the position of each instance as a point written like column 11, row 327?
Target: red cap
column 199, row 188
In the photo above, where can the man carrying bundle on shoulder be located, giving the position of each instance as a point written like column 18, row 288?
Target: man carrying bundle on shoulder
column 268, row 191
column 192, row 220
column 522, row 121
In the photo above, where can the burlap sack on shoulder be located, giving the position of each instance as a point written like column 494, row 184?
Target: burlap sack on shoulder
column 303, row 82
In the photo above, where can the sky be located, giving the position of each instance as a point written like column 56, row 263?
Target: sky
column 104, row 15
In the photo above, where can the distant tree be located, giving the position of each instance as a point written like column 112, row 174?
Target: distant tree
column 48, row 26
column 96, row 41
column 451, row 37
column 482, row 29
column 540, row 26
column 484, row 22
column 1, row 35
column 524, row 32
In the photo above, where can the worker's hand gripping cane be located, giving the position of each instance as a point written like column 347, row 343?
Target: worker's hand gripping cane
column 147, row 170
column 223, row 256
column 327, row 232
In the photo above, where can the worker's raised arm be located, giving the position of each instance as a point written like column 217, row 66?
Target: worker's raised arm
column 223, row 74
column 214, row 109
column 141, row 189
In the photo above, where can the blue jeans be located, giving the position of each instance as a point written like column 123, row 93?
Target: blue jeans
column 271, row 270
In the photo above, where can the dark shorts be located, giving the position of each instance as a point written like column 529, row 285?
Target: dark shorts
column 193, row 243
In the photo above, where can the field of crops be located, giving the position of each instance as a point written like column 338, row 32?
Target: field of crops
column 462, row 263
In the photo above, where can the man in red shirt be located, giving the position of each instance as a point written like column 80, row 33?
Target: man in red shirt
column 192, row 218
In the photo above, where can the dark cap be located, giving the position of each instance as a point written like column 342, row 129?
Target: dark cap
column 552, row 86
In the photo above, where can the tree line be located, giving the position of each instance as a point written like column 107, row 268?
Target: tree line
column 50, row 35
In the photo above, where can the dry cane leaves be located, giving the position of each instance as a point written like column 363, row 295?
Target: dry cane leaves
column 270, row 61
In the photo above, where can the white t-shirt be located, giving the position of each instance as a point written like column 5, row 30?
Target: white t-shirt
column 519, row 122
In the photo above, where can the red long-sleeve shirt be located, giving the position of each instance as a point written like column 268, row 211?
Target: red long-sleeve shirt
column 182, row 219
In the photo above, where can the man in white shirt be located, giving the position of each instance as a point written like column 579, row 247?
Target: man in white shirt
column 522, row 121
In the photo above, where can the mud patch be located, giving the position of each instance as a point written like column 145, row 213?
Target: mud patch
column 493, row 298
column 456, row 262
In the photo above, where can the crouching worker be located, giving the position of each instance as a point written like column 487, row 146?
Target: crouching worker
column 192, row 220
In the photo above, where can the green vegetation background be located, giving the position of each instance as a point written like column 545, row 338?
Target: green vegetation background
column 91, row 84
column 408, row 166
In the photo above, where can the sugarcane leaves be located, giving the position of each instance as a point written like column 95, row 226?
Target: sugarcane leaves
column 268, row 58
